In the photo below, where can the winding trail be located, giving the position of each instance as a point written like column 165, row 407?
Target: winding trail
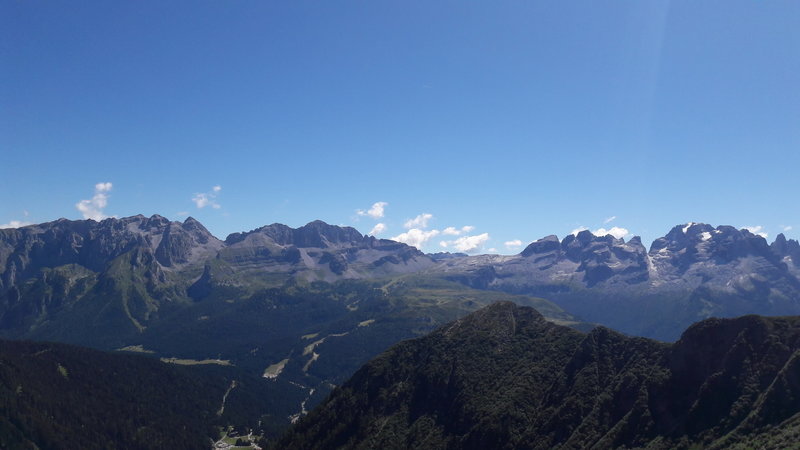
column 225, row 397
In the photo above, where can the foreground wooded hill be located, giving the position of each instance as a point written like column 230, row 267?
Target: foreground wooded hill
column 55, row 396
column 503, row 377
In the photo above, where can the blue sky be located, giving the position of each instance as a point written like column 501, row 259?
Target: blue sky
column 514, row 119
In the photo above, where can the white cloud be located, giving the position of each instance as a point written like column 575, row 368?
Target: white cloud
column 453, row 231
column 376, row 212
column 444, row 244
column 514, row 243
column 787, row 228
column 617, row 232
column 492, row 250
column 377, row 229
column 609, row 220
column 470, row 244
column 416, row 237
column 421, row 221
column 93, row 208
column 203, row 199
column 757, row 230
column 15, row 224
column 103, row 187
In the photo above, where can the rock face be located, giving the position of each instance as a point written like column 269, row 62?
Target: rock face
column 114, row 275
column 119, row 274
column 505, row 378
column 147, row 265
column 694, row 272
column 789, row 251
column 24, row 251
column 319, row 252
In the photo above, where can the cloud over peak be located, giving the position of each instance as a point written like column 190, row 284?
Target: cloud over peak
column 758, row 230
column 416, row 237
column 93, row 208
column 617, row 232
column 467, row 244
column 377, row 229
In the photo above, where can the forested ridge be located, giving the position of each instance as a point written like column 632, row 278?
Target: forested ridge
column 56, row 396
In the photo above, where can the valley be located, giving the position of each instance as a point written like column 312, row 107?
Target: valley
column 298, row 311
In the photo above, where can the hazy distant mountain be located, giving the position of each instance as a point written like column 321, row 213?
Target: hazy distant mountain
column 320, row 252
column 696, row 271
column 503, row 377
column 111, row 277
column 117, row 276
column 304, row 308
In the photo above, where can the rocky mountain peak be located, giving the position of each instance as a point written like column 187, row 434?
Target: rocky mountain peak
column 602, row 257
column 636, row 240
column 687, row 244
column 320, row 234
column 546, row 244
column 94, row 244
column 787, row 248
column 578, row 246
column 196, row 229
column 316, row 234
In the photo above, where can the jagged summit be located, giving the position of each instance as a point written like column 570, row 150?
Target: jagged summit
column 316, row 234
column 695, row 271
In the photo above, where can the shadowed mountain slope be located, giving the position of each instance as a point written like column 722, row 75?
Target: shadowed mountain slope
column 55, row 396
column 503, row 377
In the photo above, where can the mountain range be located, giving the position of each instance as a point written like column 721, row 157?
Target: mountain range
column 256, row 302
column 304, row 308
column 694, row 272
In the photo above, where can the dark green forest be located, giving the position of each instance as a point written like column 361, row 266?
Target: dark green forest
column 55, row 396
column 504, row 377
